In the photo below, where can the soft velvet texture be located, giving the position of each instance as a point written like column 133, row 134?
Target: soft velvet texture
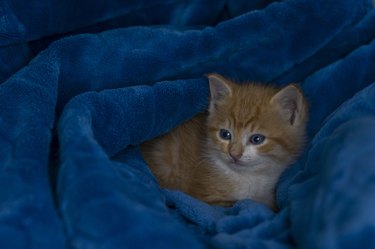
column 84, row 83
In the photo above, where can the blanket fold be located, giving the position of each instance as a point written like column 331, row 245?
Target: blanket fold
column 82, row 85
column 82, row 124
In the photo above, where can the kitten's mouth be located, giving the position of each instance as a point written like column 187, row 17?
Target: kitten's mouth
column 237, row 163
column 240, row 164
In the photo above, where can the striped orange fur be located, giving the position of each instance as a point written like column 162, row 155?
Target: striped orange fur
column 236, row 150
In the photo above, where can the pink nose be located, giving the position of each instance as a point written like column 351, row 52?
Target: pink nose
column 235, row 157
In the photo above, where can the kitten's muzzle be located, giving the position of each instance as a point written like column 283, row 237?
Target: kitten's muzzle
column 236, row 157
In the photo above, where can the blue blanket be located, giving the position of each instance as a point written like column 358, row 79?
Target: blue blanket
column 83, row 83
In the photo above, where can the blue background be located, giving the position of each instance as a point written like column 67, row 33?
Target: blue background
column 83, row 83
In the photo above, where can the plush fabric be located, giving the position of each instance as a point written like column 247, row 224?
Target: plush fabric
column 84, row 83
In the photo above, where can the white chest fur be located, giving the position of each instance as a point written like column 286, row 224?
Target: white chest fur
column 257, row 184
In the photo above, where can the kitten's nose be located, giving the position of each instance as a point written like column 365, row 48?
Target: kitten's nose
column 235, row 156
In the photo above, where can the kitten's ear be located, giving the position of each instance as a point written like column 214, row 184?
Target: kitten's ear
column 290, row 104
column 219, row 87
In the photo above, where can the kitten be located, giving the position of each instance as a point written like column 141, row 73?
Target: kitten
column 238, row 149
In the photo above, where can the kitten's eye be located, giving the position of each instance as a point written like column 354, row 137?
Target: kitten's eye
column 225, row 134
column 257, row 139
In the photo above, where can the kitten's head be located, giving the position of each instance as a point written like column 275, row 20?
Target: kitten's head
column 254, row 127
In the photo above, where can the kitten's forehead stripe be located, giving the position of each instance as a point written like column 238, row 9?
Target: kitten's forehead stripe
column 249, row 123
column 232, row 119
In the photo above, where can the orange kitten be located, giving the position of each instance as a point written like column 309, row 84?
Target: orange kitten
column 238, row 149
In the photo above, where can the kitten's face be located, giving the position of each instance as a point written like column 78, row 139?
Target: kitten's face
column 252, row 127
